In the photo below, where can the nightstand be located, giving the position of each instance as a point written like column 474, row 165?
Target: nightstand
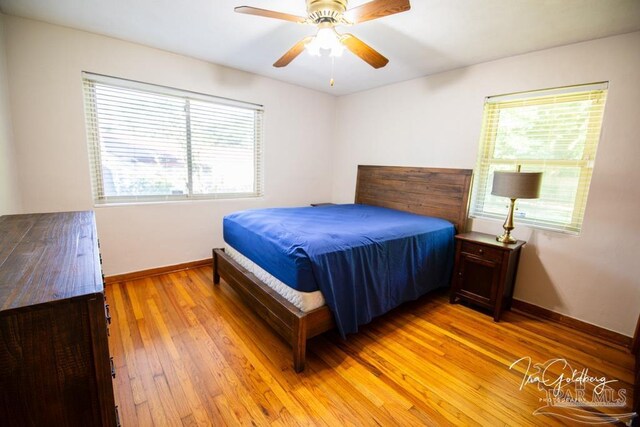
column 485, row 271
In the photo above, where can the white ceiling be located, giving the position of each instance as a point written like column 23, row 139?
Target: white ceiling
column 434, row 36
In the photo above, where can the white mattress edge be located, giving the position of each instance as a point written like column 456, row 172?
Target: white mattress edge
column 305, row 301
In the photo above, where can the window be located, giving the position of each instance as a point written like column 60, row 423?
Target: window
column 552, row 131
column 152, row 143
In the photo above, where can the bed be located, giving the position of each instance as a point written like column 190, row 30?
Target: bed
column 401, row 196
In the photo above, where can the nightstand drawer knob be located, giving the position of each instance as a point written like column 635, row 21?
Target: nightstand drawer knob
column 480, row 251
column 460, row 273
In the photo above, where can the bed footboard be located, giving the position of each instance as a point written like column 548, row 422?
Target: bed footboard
column 294, row 325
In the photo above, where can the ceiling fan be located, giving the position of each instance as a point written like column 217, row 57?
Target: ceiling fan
column 326, row 14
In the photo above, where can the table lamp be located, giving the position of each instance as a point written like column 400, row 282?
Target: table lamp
column 515, row 185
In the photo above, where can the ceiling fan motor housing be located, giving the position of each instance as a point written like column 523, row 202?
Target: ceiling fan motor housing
column 326, row 10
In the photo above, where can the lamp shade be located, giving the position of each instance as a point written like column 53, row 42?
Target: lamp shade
column 517, row 185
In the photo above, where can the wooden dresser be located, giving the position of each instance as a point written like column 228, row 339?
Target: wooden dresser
column 55, row 368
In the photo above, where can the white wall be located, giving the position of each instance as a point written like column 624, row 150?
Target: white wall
column 45, row 63
column 435, row 121
column 9, row 195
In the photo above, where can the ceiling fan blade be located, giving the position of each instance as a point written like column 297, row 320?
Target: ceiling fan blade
column 376, row 9
column 292, row 53
column 364, row 51
column 269, row 14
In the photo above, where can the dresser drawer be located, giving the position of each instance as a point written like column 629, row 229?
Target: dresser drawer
column 482, row 251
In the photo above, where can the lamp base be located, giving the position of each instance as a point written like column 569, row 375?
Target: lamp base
column 508, row 225
column 506, row 238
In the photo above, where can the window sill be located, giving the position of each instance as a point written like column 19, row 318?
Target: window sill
column 529, row 224
column 176, row 201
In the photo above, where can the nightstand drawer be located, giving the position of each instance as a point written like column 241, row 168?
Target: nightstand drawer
column 482, row 251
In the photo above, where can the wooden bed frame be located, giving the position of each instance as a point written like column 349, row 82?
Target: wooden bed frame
column 441, row 193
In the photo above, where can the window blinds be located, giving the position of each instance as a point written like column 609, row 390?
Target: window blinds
column 152, row 143
column 553, row 131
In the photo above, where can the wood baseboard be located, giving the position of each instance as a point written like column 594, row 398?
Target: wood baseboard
column 157, row 271
column 593, row 330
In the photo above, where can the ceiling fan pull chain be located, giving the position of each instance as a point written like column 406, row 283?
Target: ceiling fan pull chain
column 332, row 81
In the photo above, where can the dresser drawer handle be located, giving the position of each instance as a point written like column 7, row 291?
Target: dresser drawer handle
column 460, row 273
column 480, row 251
column 117, row 417
column 113, row 368
column 107, row 313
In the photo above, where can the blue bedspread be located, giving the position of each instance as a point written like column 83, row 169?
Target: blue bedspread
column 366, row 260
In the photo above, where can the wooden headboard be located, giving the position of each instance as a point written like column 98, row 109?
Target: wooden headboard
column 442, row 193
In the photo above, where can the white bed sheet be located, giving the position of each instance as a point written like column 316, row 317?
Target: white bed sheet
column 305, row 301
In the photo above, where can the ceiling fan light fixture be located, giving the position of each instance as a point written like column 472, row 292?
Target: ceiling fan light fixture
column 327, row 14
column 325, row 40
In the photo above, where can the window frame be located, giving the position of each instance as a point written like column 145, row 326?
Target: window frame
column 487, row 146
column 94, row 144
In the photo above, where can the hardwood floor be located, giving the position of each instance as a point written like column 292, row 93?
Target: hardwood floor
column 187, row 353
